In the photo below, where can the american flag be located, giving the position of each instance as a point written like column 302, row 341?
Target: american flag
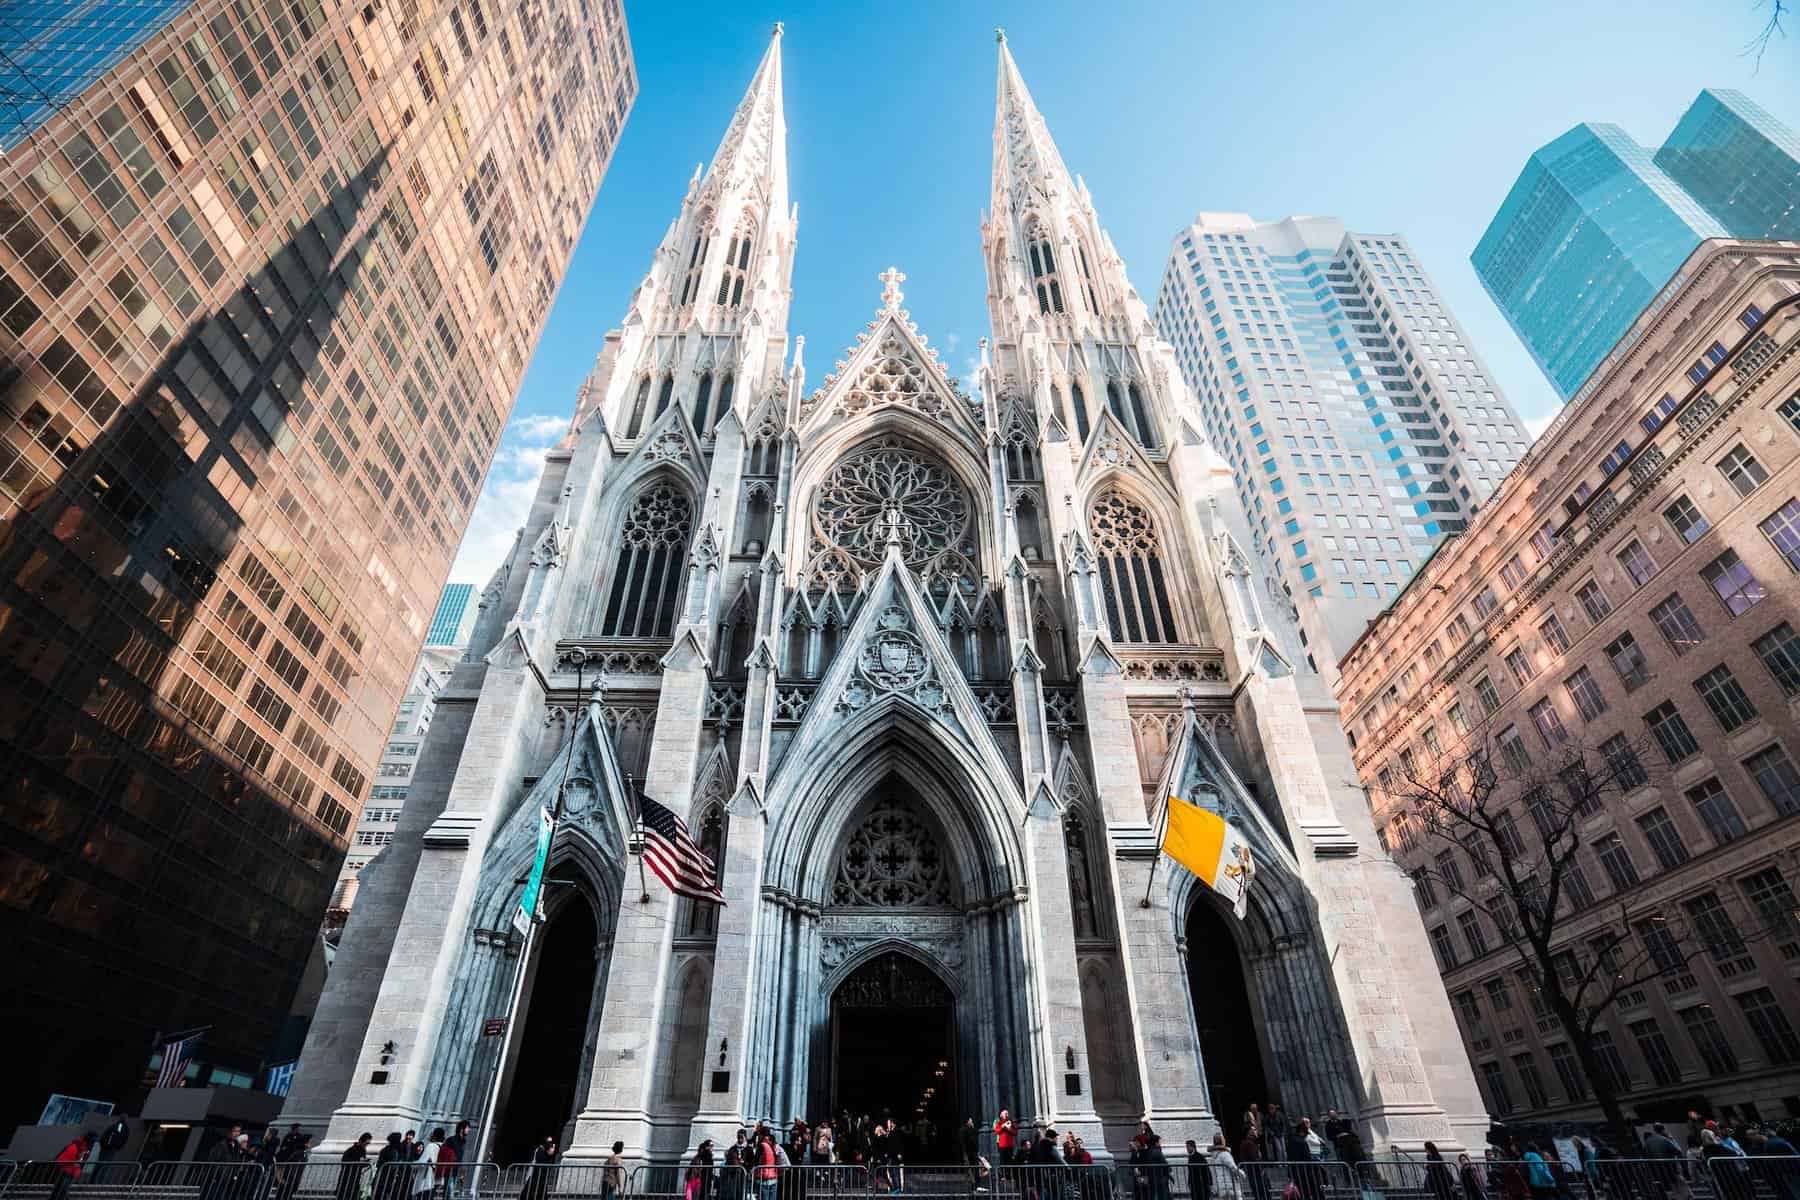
column 176, row 1054
column 675, row 856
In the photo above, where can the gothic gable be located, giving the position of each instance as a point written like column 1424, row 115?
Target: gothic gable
column 1199, row 774
column 894, row 656
column 1111, row 448
column 669, row 442
column 891, row 367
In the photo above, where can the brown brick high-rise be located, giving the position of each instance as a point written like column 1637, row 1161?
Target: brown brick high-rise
column 267, row 290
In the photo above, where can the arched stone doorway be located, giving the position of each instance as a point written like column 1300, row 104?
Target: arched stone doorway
column 543, row 1085
column 893, row 1049
column 1231, row 1042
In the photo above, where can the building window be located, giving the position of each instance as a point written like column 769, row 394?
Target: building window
column 1549, row 723
column 1675, row 621
column 1593, row 601
column 1470, row 924
column 1449, row 870
column 1519, row 665
column 1655, row 1048
column 1494, row 1077
column 1499, row 994
column 1555, row 636
column 1732, row 581
column 1687, row 521
column 1637, row 562
column 651, row 566
column 1615, row 860
column 1526, row 1066
column 1584, row 690
column 1486, row 602
column 1769, row 1022
column 1773, row 900
column 1469, row 1009
column 1741, row 470
column 1568, row 1071
column 1486, row 696
column 1774, row 773
column 1622, row 761
column 1703, row 1028
column 1512, row 750
column 1443, row 946
column 1610, row 1062
column 1717, row 812
column 1136, row 591
column 1790, row 410
column 1459, row 720
column 1725, row 698
column 1665, row 840
column 1576, row 886
column 1782, row 528
column 1671, row 732
column 1779, row 650
column 1422, row 885
column 1628, row 660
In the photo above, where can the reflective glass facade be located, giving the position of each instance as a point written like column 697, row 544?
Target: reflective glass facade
column 454, row 619
column 1588, row 235
column 1739, row 162
column 267, row 290
column 51, row 50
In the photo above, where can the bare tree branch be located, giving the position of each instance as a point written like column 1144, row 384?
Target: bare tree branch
column 1772, row 29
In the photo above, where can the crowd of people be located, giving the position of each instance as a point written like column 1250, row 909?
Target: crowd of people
column 406, row 1166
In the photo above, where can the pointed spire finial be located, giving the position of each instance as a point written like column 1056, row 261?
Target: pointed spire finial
column 778, row 27
column 1000, row 34
column 891, row 295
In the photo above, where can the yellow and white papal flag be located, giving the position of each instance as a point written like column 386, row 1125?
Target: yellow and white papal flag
column 1212, row 848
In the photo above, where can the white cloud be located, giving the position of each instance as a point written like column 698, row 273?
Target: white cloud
column 506, row 496
column 1535, row 426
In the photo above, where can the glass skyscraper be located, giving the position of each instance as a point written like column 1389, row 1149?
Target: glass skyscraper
column 1360, row 425
column 1597, row 225
column 267, row 290
column 51, row 50
column 454, row 619
column 1739, row 162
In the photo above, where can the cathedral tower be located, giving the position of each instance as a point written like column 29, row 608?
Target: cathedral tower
column 917, row 667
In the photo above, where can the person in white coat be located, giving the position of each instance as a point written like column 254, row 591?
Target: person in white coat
column 425, row 1166
column 1228, row 1178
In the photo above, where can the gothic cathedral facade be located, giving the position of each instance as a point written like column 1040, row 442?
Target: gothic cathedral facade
column 916, row 663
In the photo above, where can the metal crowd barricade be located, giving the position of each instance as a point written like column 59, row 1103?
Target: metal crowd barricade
column 1759, row 1177
column 1318, row 1179
column 323, row 1179
column 36, row 1178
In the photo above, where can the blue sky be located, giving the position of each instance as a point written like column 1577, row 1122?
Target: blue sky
column 1398, row 116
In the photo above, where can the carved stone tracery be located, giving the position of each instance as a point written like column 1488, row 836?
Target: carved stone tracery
column 893, row 860
column 852, row 513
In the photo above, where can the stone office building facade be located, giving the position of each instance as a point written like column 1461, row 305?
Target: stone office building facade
column 914, row 664
column 1631, row 591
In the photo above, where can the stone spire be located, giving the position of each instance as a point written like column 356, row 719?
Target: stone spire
column 753, row 153
column 1028, row 170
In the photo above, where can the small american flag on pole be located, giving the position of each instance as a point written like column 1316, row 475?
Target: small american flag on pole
column 671, row 851
column 177, row 1052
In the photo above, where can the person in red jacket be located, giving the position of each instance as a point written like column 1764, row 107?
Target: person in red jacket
column 69, row 1162
column 1006, row 1137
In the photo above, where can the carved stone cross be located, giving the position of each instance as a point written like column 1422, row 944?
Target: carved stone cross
column 894, row 525
column 890, row 292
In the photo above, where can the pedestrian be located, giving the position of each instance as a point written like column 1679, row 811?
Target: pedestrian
column 1253, row 1126
column 1538, row 1176
column 821, row 1144
column 737, row 1166
column 612, row 1172
column 1438, row 1180
column 1006, row 1138
column 1775, row 1163
column 68, row 1163
column 1300, row 1153
column 424, row 1168
column 968, row 1142
column 1275, row 1130
column 1156, row 1164
column 1199, row 1172
column 1669, row 1167
column 1469, row 1179
column 353, row 1168
column 390, row 1168
column 1228, row 1178
column 699, row 1185
column 767, row 1173
column 537, row 1179
column 449, row 1157
column 1249, row 1157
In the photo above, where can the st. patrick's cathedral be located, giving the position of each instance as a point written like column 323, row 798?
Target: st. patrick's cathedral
column 916, row 660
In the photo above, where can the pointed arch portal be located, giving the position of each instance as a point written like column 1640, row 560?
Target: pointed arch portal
column 544, row 1081
column 893, row 1048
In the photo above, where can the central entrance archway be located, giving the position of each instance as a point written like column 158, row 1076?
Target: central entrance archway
column 893, row 1051
column 540, row 1097
column 1230, row 1045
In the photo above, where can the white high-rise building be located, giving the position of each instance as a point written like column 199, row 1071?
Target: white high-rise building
column 1360, row 424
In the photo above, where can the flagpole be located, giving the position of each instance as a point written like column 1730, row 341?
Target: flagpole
column 1157, row 860
column 637, row 832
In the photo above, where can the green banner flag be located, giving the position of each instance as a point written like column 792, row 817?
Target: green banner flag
column 534, row 882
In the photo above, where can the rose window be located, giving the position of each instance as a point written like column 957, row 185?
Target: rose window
column 887, row 487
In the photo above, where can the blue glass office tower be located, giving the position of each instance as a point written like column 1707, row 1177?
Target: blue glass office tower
column 1739, row 162
column 1597, row 225
column 51, row 50
column 454, row 619
column 1586, row 238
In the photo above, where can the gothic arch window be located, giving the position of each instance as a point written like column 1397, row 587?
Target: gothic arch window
column 647, row 576
column 764, row 458
column 1084, row 887
column 1115, row 402
column 1043, row 272
column 1030, row 526
column 736, row 630
column 737, row 266
column 759, row 516
column 854, row 502
column 637, row 408
column 1022, row 450
column 723, row 404
column 1056, row 406
column 1088, row 288
column 1051, row 644
column 701, row 918
column 663, row 393
column 696, row 265
column 702, row 399
column 893, row 860
column 687, row 1038
column 1081, row 412
column 1146, row 433
column 1131, row 570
